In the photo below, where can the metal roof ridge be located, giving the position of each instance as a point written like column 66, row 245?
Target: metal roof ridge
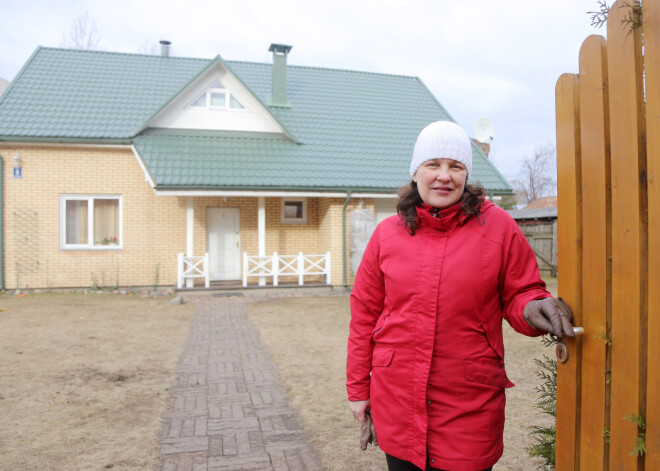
column 120, row 53
column 365, row 72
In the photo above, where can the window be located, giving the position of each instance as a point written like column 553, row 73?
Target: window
column 217, row 97
column 90, row 222
column 294, row 211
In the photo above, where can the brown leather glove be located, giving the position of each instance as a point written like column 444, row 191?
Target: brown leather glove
column 368, row 432
column 551, row 315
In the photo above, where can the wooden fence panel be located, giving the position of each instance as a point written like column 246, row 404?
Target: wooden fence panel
column 569, row 215
column 627, row 153
column 616, row 145
column 596, row 213
column 651, row 30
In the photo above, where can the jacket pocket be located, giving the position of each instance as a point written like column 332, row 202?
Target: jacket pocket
column 380, row 324
column 382, row 355
column 487, row 373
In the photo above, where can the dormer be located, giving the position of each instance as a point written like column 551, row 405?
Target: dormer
column 217, row 100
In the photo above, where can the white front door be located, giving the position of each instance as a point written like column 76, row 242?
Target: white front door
column 223, row 243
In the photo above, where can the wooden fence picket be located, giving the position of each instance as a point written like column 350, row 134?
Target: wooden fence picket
column 627, row 153
column 569, row 211
column 594, row 136
column 651, row 29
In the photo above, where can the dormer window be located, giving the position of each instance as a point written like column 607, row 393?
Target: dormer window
column 217, row 97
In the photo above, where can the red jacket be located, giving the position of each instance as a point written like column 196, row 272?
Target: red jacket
column 425, row 341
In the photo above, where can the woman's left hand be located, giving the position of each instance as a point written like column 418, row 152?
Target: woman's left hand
column 358, row 408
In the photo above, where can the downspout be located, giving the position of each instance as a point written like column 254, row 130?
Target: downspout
column 2, row 228
column 343, row 235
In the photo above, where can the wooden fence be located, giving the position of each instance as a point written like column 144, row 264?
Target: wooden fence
column 608, row 152
column 277, row 266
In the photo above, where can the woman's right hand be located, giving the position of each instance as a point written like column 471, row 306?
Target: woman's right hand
column 358, row 408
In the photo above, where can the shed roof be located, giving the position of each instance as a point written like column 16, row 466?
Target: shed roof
column 352, row 129
column 536, row 213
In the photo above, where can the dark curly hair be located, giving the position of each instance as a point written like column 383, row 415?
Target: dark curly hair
column 409, row 199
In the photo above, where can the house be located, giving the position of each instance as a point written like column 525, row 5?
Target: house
column 134, row 170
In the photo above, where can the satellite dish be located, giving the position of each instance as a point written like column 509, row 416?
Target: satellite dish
column 483, row 130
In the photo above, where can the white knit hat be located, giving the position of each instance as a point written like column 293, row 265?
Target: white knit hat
column 442, row 140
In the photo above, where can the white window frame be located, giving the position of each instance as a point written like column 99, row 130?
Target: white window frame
column 228, row 96
column 90, row 223
column 302, row 220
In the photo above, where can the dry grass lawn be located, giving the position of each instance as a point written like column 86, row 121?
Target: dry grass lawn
column 307, row 340
column 84, row 379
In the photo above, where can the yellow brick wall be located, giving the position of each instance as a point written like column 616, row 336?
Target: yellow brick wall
column 154, row 227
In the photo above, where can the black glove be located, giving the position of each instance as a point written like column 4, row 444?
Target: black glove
column 368, row 432
column 550, row 315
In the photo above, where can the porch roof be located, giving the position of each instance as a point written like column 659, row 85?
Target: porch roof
column 353, row 129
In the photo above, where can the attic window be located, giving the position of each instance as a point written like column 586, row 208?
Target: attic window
column 217, row 97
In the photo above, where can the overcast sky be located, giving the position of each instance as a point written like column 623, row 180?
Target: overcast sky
column 498, row 59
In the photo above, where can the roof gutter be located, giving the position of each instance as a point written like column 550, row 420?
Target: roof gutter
column 92, row 141
column 274, row 192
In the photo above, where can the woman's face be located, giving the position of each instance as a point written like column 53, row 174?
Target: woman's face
column 440, row 182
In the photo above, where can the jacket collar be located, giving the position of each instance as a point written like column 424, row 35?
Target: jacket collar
column 440, row 219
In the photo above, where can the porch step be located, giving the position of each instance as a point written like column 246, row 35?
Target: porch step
column 235, row 288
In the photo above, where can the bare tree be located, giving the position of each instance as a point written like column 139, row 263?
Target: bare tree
column 536, row 177
column 148, row 48
column 82, row 35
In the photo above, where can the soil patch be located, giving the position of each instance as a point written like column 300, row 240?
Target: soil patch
column 85, row 379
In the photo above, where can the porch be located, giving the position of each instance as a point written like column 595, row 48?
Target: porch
column 281, row 239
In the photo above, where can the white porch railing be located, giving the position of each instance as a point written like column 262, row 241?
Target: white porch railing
column 286, row 265
column 189, row 268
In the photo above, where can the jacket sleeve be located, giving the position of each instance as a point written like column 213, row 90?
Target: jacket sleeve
column 520, row 280
column 367, row 301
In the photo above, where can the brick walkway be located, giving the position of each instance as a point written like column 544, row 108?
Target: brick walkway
column 227, row 408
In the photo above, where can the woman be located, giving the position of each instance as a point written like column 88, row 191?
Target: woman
column 425, row 350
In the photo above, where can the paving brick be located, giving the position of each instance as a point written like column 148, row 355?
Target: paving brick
column 227, row 387
column 184, row 445
column 216, row 426
column 255, row 462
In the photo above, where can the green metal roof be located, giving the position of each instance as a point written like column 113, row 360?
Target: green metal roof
column 353, row 130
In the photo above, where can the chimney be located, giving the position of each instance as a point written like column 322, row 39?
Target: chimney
column 165, row 48
column 484, row 146
column 278, row 97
